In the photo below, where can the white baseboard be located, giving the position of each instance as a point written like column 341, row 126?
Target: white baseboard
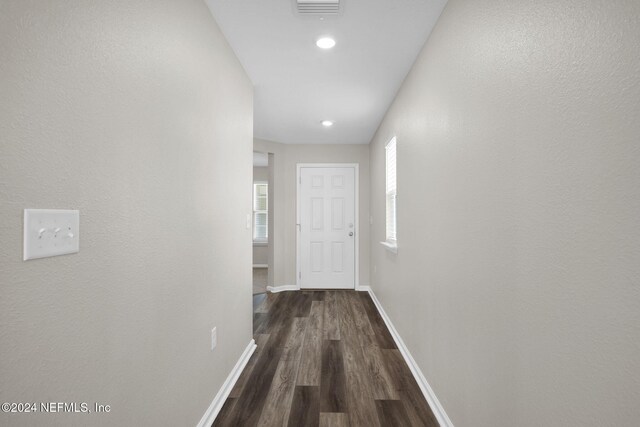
column 275, row 289
column 436, row 407
column 213, row 410
column 260, row 265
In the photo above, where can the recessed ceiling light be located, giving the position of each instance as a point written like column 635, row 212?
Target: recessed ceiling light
column 327, row 123
column 326, row 43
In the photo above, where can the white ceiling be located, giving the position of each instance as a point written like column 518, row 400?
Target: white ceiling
column 297, row 85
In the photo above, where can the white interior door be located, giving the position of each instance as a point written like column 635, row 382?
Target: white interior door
column 326, row 197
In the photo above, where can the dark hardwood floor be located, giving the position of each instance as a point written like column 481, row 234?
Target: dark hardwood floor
column 324, row 358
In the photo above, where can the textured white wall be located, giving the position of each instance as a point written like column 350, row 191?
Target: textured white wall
column 285, row 157
column 516, row 283
column 260, row 174
column 260, row 254
column 138, row 114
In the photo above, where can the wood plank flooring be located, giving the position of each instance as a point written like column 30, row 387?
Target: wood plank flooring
column 324, row 358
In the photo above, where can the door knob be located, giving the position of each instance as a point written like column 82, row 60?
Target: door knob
column 351, row 233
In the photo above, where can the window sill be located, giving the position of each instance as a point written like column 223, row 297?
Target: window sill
column 391, row 247
column 260, row 243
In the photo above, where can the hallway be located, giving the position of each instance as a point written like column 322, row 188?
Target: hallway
column 185, row 185
column 324, row 358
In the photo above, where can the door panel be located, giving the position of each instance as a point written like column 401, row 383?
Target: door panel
column 337, row 257
column 317, row 214
column 337, row 213
column 327, row 227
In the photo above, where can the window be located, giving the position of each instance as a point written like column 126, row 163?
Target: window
column 260, row 209
column 391, row 192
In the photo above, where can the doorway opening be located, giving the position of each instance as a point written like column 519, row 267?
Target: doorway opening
column 262, row 221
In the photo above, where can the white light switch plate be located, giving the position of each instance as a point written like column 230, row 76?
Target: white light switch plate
column 50, row 232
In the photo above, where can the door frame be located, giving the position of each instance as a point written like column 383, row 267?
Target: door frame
column 356, row 167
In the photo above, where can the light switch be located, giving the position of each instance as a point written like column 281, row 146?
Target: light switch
column 50, row 232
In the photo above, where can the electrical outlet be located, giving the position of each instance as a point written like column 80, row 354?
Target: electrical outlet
column 214, row 338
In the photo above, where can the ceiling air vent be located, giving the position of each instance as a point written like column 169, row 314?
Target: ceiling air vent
column 317, row 7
